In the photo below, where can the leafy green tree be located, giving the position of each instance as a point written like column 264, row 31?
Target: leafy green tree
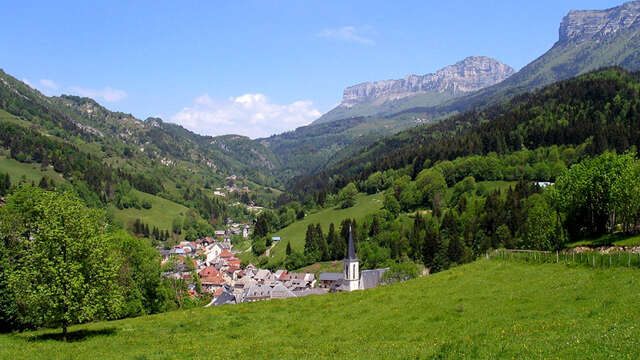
column 347, row 196
column 66, row 271
column 541, row 226
column 391, row 204
column 430, row 182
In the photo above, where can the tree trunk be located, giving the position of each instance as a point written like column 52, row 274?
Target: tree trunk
column 64, row 332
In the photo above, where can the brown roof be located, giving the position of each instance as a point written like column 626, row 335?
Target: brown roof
column 226, row 254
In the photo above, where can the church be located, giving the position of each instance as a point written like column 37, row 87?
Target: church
column 351, row 278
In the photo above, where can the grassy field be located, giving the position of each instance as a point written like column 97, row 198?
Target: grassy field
column 295, row 233
column 484, row 310
column 29, row 172
column 161, row 214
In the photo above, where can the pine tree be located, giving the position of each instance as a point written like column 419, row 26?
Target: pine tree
column 323, row 247
column 310, row 244
column 375, row 227
column 288, row 251
column 455, row 251
column 431, row 244
column 338, row 243
column 137, row 227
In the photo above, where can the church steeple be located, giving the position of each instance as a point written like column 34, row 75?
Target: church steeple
column 351, row 267
column 351, row 253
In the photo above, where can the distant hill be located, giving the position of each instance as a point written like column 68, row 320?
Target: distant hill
column 388, row 96
column 102, row 155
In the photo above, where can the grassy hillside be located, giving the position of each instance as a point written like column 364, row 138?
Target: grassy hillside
column 482, row 310
column 161, row 214
column 30, row 172
column 295, row 233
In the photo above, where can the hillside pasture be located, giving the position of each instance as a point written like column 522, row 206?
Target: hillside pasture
column 483, row 310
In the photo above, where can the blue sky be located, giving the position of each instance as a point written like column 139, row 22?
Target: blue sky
column 258, row 67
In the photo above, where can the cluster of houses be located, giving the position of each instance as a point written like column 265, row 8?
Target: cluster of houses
column 221, row 275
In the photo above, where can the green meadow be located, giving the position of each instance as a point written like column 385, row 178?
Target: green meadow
column 483, row 310
column 295, row 233
column 30, row 172
column 161, row 214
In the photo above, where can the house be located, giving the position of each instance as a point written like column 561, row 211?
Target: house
column 279, row 274
column 281, row 292
column 219, row 233
column 245, row 231
column 176, row 251
column 208, row 271
column 307, row 292
column 224, row 298
column 330, row 280
column 371, row 278
column 233, row 261
column 164, row 254
column 262, row 275
column 275, row 238
column 226, row 254
column 257, row 293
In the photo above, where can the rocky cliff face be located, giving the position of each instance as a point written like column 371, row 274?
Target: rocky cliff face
column 470, row 74
column 594, row 25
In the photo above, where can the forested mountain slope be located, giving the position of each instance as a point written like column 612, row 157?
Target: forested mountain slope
column 601, row 108
column 152, row 139
column 588, row 40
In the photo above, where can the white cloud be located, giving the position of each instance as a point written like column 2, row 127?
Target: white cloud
column 350, row 33
column 107, row 94
column 252, row 115
column 49, row 84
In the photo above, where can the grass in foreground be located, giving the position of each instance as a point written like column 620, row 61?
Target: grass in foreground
column 488, row 309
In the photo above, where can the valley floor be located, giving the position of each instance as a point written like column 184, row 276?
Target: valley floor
column 487, row 309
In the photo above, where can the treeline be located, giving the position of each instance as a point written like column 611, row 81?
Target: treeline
column 601, row 109
column 141, row 229
column 427, row 221
column 62, row 263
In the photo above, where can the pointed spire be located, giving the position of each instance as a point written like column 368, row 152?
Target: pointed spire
column 352, row 249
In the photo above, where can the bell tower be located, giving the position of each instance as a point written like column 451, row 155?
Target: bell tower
column 351, row 267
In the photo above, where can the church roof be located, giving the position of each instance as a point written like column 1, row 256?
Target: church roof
column 351, row 255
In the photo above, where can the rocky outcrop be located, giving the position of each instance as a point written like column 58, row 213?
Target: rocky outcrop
column 470, row 74
column 584, row 25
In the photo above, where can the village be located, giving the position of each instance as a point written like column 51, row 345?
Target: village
column 220, row 273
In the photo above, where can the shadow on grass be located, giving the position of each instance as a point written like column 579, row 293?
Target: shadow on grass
column 73, row 336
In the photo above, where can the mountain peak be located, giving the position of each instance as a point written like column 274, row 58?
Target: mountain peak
column 583, row 25
column 471, row 74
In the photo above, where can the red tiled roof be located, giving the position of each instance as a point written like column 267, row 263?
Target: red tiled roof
column 226, row 254
column 216, row 280
column 217, row 292
column 234, row 261
column 208, row 271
